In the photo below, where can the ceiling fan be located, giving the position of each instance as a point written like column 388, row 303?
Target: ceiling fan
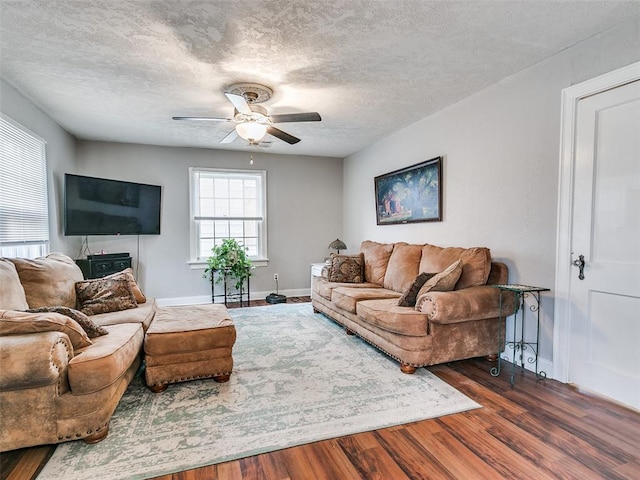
column 252, row 120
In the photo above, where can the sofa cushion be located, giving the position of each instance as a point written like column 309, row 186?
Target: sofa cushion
column 143, row 314
column 127, row 274
column 12, row 296
column 376, row 258
column 89, row 326
column 402, row 267
column 347, row 298
column 104, row 295
column 476, row 263
column 441, row 282
column 19, row 323
column 346, row 268
column 386, row 314
column 49, row 281
column 323, row 287
column 101, row 364
column 408, row 298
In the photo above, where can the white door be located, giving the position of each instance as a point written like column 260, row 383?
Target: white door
column 604, row 344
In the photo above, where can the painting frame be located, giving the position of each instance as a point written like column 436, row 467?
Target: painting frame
column 410, row 195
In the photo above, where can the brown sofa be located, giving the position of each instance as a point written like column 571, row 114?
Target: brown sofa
column 460, row 322
column 56, row 383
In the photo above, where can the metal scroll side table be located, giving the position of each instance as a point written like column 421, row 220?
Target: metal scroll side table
column 242, row 296
column 519, row 346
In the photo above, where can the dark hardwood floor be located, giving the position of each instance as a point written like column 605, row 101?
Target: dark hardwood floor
column 536, row 430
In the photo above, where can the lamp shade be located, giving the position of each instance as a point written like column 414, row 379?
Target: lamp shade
column 338, row 245
column 251, row 131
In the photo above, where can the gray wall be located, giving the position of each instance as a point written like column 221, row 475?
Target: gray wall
column 304, row 211
column 501, row 150
column 60, row 150
column 304, row 201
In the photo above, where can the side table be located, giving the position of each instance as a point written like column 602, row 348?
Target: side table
column 228, row 296
column 519, row 346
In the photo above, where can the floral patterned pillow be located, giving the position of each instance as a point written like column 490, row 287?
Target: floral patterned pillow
column 346, row 268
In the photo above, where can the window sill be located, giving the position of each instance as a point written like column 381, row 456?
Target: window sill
column 202, row 264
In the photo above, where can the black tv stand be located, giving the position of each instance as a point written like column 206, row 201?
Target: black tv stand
column 98, row 266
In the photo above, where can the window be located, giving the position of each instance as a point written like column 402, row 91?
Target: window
column 24, row 216
column 228, row 204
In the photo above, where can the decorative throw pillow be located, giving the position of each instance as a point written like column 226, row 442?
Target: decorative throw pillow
column 442, row 282
column 91, row 328
column 408, row 298
column 20, row 323
column 346, row 268
column 104, row 295
column 127, row 274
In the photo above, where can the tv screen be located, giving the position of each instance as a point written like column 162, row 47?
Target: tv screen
column 99, row 206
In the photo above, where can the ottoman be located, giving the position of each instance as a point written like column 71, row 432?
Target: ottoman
column 188, row 342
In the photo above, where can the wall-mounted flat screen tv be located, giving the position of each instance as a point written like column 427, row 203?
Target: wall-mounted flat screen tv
column 99, row 206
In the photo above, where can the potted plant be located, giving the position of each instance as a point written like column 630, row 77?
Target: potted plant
column 231, row 260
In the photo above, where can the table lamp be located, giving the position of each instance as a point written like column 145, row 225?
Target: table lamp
column 337, row 245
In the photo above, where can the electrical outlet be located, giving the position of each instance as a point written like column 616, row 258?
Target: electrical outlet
column 275, row 277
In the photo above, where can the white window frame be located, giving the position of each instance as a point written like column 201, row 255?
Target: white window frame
column 24, row 199
column 200, row 262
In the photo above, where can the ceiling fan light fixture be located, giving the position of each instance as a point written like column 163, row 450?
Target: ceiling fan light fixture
column 251, row 131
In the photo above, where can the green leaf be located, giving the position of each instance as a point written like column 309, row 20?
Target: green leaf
column 228, row 259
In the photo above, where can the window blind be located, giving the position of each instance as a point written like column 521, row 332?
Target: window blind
column 24, row 217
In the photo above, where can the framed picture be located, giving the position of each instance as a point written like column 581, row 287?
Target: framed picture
column 412, row 194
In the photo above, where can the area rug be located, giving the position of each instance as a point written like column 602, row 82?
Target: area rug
column 298, row 378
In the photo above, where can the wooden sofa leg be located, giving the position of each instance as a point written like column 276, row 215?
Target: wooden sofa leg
column 493, row 357
column 98, row 436
column 222, row 378
column 349, row 332
column 408, row 369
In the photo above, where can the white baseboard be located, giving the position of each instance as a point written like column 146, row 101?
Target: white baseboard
column 170, row 302
column 544, row 365
column 200, row 299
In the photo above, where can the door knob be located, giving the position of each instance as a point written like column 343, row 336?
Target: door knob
column 580, row 264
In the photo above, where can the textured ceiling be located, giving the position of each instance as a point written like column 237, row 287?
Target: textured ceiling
column 118, row 70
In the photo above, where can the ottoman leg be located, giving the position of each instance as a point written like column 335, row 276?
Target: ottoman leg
column 222, row 378
column 159, row 388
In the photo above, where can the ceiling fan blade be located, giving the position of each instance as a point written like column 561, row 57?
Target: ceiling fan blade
column 296, row 117
column 230, row 137
column 206, row 119
column 239, row 102
column 284, row 136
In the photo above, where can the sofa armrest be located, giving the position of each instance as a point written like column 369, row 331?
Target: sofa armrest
column 35, row 360
column 468, row 304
